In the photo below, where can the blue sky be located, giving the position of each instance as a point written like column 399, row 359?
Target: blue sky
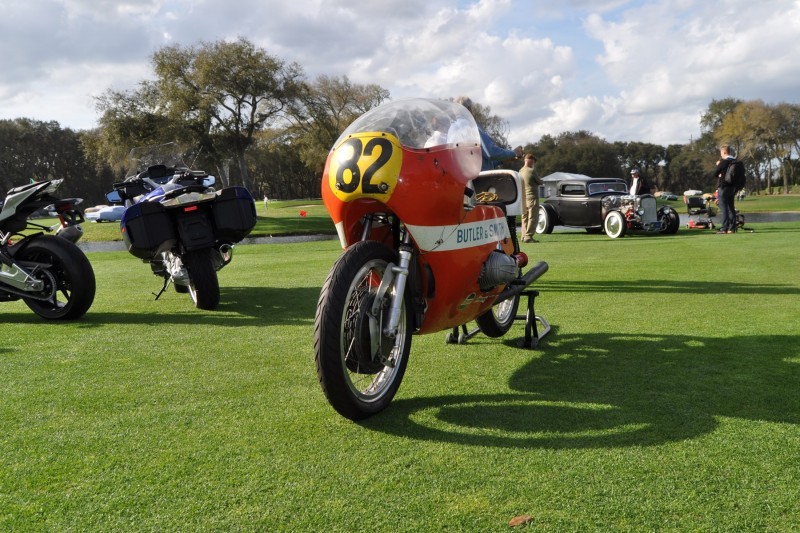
column 625, row 70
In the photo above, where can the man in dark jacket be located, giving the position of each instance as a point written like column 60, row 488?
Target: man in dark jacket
column 726, row 192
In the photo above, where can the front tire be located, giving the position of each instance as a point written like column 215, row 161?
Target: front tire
column 203, row 282
column 357, row 384
column 69, row 278
column 498, row 320
column 545, row 224
column 671, row 222
column 614, row 225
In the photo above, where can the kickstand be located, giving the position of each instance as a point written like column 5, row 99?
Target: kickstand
column 166, row 284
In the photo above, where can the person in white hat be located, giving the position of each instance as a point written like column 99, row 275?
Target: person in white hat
column 638, row 183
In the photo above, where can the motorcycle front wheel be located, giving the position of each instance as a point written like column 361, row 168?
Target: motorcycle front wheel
column 356, row 382
column 203, row 282
column 498, row 320
column 69, row 284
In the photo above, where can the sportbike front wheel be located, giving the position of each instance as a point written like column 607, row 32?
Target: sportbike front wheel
column 498, row 320
column 359, row 366
column 67, row 276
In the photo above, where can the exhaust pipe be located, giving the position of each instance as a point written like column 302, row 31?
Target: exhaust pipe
column 518, row 286
column 226, row 251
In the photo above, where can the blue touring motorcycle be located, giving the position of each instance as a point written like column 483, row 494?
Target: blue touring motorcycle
column 176, row 221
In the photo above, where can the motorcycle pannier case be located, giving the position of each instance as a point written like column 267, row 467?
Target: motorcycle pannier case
column 147, row 229
column 234, row 214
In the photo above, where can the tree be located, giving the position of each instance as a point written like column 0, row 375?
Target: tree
column 216, row 96
column 497, row 127
column 32, row 149
column 129, row 119
column 716, row 112
column 688, row 168
column 323, row 112
column 788, row 137
column 580, row 152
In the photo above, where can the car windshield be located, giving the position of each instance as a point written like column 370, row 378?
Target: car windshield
column 608, row 186
column 418, row 123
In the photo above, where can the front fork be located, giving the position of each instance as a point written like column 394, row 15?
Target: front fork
column 393, row 284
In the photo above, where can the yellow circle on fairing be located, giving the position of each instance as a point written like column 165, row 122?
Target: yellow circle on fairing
column 365, row 165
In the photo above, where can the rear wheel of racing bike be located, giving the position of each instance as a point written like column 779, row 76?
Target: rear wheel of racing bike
column 203, row 282
column 498, row 320
column 68, row 277
column 356, row 383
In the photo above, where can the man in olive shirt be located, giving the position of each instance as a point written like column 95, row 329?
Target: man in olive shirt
column 530, row 198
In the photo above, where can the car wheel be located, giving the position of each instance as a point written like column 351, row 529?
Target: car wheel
column 614, row 225
column 670, row 222
column 545, row 223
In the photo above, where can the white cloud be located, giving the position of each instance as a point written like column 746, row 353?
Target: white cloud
column 626, row 70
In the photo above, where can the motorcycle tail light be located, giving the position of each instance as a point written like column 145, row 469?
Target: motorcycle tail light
column 190, row 208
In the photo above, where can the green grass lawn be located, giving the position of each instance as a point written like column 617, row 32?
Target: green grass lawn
column 665, row 398
column 289, row 217
column 753, row 204
column 292, row 217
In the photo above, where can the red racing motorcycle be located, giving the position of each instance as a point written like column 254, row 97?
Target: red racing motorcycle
column 429, row 245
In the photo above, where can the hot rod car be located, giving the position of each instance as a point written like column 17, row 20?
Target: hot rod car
column 600, row 204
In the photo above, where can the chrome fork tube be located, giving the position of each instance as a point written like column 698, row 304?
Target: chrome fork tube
column 367, row 227
column 401, row 276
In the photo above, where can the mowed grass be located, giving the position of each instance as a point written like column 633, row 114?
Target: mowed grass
column 297, row 217
column 289, row 217
column 759, row 203
column 666, row 397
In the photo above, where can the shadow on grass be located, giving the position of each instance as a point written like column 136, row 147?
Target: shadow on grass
column 665, row 286
column 607, row 390
column 239, row 306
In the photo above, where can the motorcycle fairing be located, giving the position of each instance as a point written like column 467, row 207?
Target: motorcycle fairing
column 427, row 194
column 459, row 236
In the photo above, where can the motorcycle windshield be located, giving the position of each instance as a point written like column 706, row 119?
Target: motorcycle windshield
column 168, row 155
column 419, row 123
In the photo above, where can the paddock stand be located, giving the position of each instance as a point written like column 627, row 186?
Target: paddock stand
column 532, row 332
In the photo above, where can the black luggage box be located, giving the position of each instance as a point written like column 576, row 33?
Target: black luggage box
column 147, row 229
column 234, row 214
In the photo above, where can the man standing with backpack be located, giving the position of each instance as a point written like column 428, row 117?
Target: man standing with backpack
column 726, row 191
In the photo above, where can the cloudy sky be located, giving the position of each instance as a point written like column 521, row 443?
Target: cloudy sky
column 625, row 70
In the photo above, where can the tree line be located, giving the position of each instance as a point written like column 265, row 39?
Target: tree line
column 253, row 119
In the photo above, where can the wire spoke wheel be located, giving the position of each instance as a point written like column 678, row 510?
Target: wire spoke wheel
column 498, row 320
column 360, row 367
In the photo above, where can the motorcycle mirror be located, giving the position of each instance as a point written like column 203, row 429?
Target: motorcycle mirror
column 114, row 197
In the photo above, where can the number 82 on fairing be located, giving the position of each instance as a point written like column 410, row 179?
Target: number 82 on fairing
column 366, row 165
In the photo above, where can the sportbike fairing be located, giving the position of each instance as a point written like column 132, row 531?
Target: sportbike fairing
column 414, row 159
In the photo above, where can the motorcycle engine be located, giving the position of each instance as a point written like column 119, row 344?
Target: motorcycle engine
column 498, row 269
